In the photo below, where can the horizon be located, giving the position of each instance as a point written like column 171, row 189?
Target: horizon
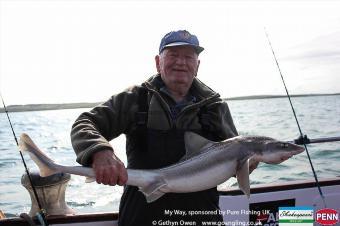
column 86, row 51
column 251, row 97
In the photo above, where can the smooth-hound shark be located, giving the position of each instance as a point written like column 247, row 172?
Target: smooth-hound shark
column 206, row 164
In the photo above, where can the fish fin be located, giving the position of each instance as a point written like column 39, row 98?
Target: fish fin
column 26, row 144
column 194, row 144
column 45, row 164
column 253, row 163
column 242, row 176
column 152, row 191
column 89, row 179
column 154, row 196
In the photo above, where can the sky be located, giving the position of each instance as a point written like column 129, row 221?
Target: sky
column 57, row 51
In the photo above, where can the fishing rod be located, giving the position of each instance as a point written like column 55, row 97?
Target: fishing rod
column 297, row 122
column 40, row 215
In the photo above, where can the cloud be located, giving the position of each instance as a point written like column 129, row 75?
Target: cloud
column 324, row 49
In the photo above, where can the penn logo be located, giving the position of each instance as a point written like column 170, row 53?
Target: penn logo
column 327, row 217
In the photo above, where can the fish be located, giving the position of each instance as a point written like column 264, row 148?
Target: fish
column 205, row 165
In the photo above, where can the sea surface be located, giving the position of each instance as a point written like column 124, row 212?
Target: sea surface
column 319, row 116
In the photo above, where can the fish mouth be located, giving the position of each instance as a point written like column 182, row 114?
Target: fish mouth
column 277, row 158
column 299, row 149
column 287, row 155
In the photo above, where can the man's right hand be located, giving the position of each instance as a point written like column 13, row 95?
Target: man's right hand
column 109, row 169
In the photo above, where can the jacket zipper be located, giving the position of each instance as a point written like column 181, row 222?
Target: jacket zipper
column 196, row 105
column 163, row 102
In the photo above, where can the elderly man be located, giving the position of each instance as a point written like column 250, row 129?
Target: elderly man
column 154, row 117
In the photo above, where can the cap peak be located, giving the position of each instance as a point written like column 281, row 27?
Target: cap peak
column 180, row 38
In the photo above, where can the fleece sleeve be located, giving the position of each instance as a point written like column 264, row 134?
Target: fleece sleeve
column 92, row 131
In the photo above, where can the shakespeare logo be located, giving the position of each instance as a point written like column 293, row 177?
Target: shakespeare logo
column 294, row 216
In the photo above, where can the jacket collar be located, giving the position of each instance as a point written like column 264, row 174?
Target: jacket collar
column 198, row 88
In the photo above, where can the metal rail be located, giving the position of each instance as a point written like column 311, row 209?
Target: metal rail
column 306, row 140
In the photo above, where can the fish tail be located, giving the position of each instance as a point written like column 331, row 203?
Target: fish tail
column 46, row 165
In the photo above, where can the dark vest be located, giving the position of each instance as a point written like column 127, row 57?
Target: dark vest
column 151, row 149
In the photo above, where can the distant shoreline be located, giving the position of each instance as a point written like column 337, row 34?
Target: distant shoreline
column 279, row 96
column 46, row 107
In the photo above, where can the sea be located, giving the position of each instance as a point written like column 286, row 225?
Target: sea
column 318, row 116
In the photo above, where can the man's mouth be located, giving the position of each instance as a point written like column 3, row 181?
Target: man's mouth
column 179, row 70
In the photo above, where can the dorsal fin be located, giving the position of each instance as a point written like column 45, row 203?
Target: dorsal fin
column 194, row 144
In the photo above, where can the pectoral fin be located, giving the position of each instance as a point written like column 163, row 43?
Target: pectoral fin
column 154, row 196
column 243, row 178
column 152, row 191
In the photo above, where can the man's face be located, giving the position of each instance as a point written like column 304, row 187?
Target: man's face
column 178, row 65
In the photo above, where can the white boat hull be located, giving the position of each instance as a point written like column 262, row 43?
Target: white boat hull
column 234, row 204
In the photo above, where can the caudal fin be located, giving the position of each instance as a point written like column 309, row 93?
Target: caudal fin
column 46, row 165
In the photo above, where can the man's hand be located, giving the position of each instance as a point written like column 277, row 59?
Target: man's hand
column 108, row 168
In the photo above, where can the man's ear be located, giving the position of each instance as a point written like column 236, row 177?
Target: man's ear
column 157, row 60
column 198, row 65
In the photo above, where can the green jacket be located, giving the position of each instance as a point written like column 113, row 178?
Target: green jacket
column 93, row 130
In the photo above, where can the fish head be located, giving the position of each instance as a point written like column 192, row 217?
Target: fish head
column 275, row 151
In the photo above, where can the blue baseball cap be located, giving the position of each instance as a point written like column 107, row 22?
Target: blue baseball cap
column 180, row 38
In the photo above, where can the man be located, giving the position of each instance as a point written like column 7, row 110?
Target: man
column 154, row 117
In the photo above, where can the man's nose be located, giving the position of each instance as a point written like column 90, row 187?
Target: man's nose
column 180, row 60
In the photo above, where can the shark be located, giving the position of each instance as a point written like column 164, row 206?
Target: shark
column 205, row 165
